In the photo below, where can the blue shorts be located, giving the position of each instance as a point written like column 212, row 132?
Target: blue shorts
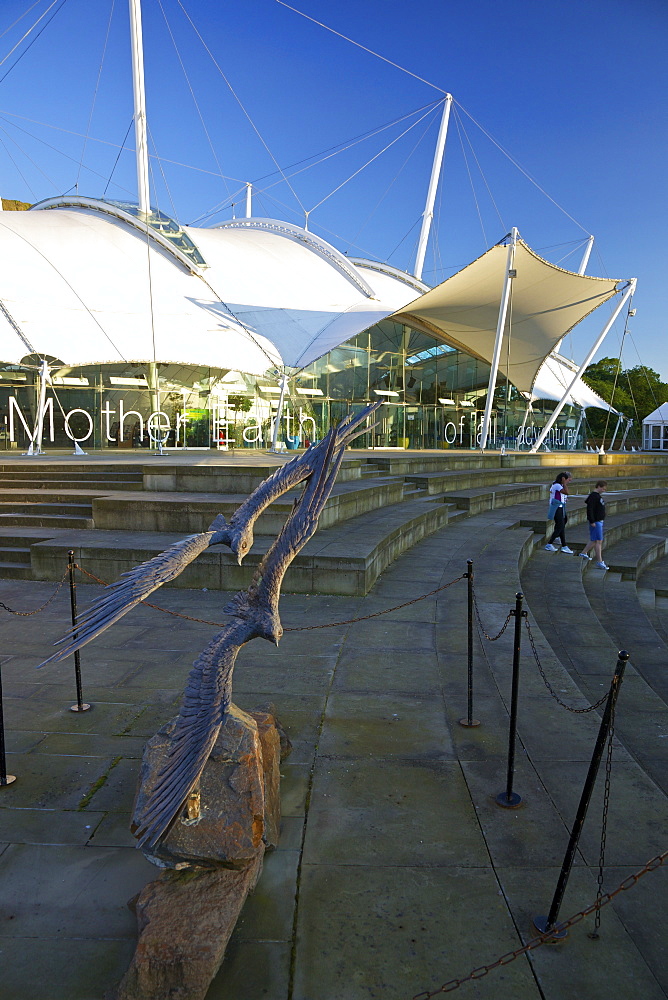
column 596, row 531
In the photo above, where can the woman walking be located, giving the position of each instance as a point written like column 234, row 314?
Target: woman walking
column 558, row 497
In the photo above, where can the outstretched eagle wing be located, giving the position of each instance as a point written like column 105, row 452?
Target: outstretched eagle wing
column 287, row 476
column 205, row 702
column 131, row 588
column 261, row 599
column 209, row 688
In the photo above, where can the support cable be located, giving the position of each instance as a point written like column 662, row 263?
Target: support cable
column 390, row 185
column 458, row 124
column 20, row 18
column 365, row 165
column 158, row 160
column 458, row 118
column 120, row 151
column 363, row 47
column 519, row 167
column 30, row 159
column 28, row 47
column 241, row 105
column 97, row 87
column 55, row 149
column 192, row 94
column 18, row 169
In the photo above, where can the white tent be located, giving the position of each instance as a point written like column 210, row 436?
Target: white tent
column 554, row 377
column 655, row 429
column 84, row 282
column 546, row 303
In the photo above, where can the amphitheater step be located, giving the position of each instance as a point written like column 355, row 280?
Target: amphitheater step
column 45, row 521
column 15, row 570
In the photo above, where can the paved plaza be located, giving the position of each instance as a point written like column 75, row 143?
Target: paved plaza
column 396, row 871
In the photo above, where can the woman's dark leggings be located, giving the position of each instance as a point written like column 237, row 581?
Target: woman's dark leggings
column 560, row 518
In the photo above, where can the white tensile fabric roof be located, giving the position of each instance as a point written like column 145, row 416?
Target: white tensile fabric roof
column 86, row 288
column 658, row 416
column 553, row 378
column 546, row 303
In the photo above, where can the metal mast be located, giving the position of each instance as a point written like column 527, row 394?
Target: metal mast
column 585, row 257
column 500, row 327
column 433, row 186
column 628, row 293
column 140, row 107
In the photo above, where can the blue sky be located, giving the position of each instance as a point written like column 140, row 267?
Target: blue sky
column 574, row 91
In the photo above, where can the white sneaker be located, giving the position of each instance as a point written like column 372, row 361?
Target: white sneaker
column 602, row 565
column 569, row 552
column 550, row 548
column 583, row 555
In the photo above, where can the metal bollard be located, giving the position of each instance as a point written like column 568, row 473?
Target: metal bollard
column 549, row 923
column 510, row 799
column 80, row 706
column 469, row 721
column 5, row 779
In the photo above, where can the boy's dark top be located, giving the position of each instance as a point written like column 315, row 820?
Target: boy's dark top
column 595, row 507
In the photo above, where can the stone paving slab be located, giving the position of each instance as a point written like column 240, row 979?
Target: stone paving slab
column 396, row 870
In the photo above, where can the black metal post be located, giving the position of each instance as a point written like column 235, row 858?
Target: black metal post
column 80, row 706
column 469, row 721
column 5, row 779
column 549, row 923
column 510, row 799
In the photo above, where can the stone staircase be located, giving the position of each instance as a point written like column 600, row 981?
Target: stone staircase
column 115, row 516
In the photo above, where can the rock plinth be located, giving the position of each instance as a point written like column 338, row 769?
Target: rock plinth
column 212, row 855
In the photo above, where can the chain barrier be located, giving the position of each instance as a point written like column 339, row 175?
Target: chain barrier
column 604, row 826
column 303, row 628
column 601, row 900
column 569, row 708
column 27, row 614
column 490, row 638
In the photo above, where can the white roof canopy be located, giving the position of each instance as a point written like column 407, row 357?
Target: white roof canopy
column 658, row 416
column 84, row 283
column 546, row 303
column 553, row 378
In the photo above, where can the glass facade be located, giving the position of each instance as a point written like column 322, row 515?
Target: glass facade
column 434, row 398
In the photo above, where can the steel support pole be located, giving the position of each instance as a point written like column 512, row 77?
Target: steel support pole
column 80, row 706
column 500, row 327
column 141, row 142
column 629, row 424
column 510, row 799
column 619, row 420
column 5, row 779
column 549, row 923
column 279, row 412
column 428, row 213
column 585, row 256
column 592, row 351
column 469, row 721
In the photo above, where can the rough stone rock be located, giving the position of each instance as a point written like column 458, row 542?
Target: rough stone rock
column 227, row 825
column 185, row 920
column 270, row 742
column 269, row 708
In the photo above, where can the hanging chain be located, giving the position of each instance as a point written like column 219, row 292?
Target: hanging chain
column 27, row 614
column 491, row 638
column 576, row 711
column 303, row 628
column 601, row 901
column 604, row 826
column 376, row 614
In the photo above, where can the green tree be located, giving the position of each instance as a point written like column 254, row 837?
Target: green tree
column 634, row 391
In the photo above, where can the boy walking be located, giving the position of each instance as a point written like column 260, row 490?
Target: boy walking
column 595, row 516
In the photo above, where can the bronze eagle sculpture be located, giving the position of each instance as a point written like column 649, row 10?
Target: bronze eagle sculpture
column 254, row 612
